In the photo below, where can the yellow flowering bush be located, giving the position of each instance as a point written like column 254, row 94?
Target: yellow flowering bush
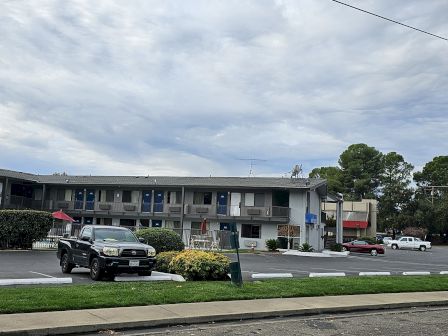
column 163, row 260
column 200, row 265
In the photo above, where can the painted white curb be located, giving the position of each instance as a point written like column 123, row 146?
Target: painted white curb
column 373, row 273
column 142, row 278
column 174, row 277
column 35, row 281
column 271, row 275
column 306, row 254
column 336, row 254
column 322, row 275
column 155, row 276
column 444, row 272
column 416, row 273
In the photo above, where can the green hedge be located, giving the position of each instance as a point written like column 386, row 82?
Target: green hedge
column 19, row 228
column 162, row 239
column 200, row 265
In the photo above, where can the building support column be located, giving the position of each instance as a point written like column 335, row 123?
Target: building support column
column 4, row 195
column 44, row 190
column 182, row 210
column 339, row 225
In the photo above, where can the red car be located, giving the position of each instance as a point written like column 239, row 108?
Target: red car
column 361, row 246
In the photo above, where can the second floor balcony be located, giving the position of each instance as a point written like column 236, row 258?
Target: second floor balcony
column 275, row 213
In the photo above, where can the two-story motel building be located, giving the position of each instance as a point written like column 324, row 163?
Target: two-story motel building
column 260, row 206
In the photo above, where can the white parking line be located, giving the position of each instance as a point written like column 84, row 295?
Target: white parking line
column 48, row 276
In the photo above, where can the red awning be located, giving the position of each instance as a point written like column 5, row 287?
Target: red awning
column 355, row 224
column 61, row 215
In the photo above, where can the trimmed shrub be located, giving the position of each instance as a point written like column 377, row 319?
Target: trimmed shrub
column 306, row 248
column 370, row 240
column 162, row 239
column 200, row 265
column 272, row 244
column 336, row 247
column 19, row 228
column 163, row 260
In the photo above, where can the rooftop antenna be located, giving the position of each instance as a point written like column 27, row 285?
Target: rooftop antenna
column 252, row 164
column 296, row 171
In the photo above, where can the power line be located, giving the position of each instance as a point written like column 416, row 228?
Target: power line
column 385, row 18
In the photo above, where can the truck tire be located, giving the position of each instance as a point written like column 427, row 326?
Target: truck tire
column 394, row 247
column 422, row 248
column 96, row 272
column 66, row 266
column 373, row 252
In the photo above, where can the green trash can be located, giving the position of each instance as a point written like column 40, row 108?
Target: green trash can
column 235, row 273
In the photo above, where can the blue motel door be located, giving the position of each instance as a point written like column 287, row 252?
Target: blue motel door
column 158, row 201
column 79, row 199
column 222, row 203
column 90, row 199
column 146, row 201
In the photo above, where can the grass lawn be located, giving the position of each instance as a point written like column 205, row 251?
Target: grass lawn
column 110, row 294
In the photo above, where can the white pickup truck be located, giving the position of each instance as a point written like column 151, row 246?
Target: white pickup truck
column 409, row 243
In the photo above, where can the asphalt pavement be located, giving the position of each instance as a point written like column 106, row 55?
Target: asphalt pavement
column 38, row 264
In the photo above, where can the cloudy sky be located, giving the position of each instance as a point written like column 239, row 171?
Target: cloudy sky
column 190, row 87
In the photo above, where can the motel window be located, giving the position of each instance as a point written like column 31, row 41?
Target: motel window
column 61, row 195
column 127, row 222
column 109, row 196
column 174, row 197
column 259, row 200
column 202, row 198
column 127, row 196
column 250, row 231
column 107, row 221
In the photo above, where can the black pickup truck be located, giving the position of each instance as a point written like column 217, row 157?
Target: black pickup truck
column 106, row 251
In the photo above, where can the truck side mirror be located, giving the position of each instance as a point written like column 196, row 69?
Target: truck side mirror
column 85, row 238
column 141, row 239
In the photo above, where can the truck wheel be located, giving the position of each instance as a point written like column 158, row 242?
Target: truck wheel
column 95, row 270
column 373, row 252
column 422, row 248
column 66, row 266
column 394, row 247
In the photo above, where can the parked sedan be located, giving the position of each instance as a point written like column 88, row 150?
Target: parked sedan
column 362, row 246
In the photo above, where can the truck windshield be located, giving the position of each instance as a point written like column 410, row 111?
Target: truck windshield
column 115, row 235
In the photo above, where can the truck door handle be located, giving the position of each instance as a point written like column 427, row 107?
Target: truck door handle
column 77, row 245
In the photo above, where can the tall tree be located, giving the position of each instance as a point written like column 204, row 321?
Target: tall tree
column 395, row 191
column 432, row 210
column 434, row 172
column 333, row 175
column 361, row 169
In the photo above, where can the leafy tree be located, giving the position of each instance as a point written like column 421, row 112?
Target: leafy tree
column 395, row 191
column 333, row 175
column 432, row 208
column 434, row 172
column 361, row 170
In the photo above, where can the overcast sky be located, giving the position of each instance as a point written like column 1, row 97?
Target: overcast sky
column 190, row 87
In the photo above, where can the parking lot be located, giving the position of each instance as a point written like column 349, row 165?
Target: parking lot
column 38, row 264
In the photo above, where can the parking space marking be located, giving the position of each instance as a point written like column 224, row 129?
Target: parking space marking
column 46, row 275
column 396, row 261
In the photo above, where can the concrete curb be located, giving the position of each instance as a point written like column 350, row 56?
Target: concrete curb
column 35, row 281
column 323, row 275
column 94, row 320
column 271, row 275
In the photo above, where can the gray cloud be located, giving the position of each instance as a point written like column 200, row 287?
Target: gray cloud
column 169, row 87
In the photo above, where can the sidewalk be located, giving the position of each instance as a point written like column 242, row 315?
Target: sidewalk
column 90, row 320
